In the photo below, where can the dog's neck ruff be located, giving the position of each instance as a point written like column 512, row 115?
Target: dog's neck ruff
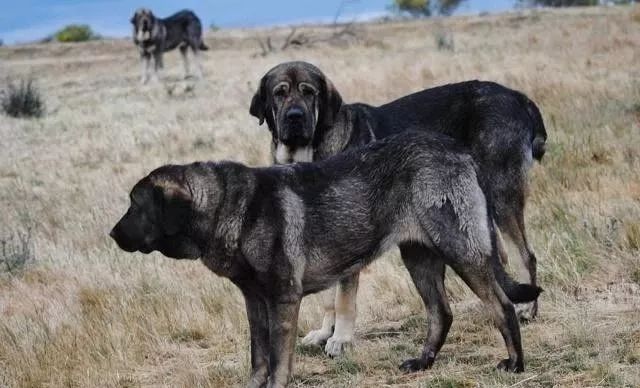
column 284, row 154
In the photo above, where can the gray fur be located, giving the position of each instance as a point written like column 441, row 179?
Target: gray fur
column 501, row 128
column 281, row 233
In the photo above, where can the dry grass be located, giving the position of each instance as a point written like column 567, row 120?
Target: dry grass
column 85, row 314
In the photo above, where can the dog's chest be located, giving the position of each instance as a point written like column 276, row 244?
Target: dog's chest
column 147, row 47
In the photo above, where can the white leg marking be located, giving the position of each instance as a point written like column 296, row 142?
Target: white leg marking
column 345, row 305
column 146, row 63
column 318, row 337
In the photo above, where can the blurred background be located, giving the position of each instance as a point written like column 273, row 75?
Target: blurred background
column 31, row 20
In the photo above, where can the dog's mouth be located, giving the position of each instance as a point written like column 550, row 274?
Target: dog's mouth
column 295, row 127
column 128, row 245
column 295, row 135
column 124, row 245
column 181, row 249
column 143, row 35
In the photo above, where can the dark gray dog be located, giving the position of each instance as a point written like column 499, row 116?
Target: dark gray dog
column 154, row 36
column 283, row 232
column 502, row 128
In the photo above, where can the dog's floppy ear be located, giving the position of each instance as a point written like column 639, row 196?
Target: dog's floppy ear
column 259, row 102
column 175, row 200
column 330, row 104
column 133, row 18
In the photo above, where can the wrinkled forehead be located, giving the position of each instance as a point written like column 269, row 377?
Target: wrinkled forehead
column 294, row 75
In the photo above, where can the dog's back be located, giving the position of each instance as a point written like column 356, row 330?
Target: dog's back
column 365, row 200
column 460, row 110
column 183, row 26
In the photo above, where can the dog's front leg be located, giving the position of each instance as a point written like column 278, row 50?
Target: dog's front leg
column 146, row 64
column 158, row 64
column 198, row 63
column 345, row 305
column 258, row 316
column 319, row 337
column 283, row 323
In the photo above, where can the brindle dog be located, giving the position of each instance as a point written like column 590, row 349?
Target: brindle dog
column 283, row 232
column 502, row 128
column 154, row 36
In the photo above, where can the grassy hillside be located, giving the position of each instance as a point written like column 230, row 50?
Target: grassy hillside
column 82, row 313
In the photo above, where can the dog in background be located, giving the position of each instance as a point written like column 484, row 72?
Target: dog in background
column 502, row 129
column 283, row 232
column 154, row 36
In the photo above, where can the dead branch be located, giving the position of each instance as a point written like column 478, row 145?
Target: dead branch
column 300, row 39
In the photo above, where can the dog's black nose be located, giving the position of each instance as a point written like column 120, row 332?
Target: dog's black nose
column 294, row 113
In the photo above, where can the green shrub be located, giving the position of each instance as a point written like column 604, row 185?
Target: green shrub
column 22, row 100
column 419, row 8
column 75, row 33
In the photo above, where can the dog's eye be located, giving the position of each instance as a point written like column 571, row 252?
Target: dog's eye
column 281, row 89
column 307, row 90
column 280, row 92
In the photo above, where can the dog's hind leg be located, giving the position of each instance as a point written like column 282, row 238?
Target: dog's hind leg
column 480, row 278
column 196, row 60
column 259, row 329
column 502, row 251
column 185, row 60
column 513, row 227
column 427, row 271
column 283, row 323
column 345, row 313
column 508, row 191
column 320, row 336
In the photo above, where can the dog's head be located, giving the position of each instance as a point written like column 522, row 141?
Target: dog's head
column 143, row 22
column 296, row 100
column 159, row 216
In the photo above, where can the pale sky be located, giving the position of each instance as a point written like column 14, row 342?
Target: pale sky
column 28, row 20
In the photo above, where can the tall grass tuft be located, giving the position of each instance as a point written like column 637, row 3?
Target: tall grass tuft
column 22, row 100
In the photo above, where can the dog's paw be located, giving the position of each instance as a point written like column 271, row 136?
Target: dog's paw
column 527, row 312
column 416, row 365
column 509, row 365
column 316, row 337
column 336, row 346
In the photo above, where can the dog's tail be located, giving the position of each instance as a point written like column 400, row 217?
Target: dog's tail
column 517, row 292
column 539, row 135
column 203, row 46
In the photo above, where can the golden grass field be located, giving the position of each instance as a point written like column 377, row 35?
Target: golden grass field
column 82, row 313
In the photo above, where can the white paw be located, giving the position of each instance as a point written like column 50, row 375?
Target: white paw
column 337, row 345
column 316, row 337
